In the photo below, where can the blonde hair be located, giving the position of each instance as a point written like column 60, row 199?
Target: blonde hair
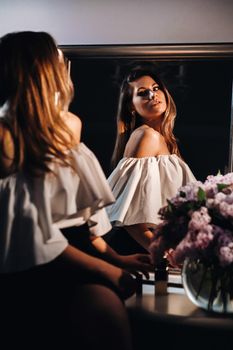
column 31, row 77
column 128, row 120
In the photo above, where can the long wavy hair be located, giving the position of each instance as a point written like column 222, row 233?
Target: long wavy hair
column 128, row 120
column 34, row 89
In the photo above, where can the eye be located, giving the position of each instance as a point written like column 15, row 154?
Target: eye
column 143, row 93
column 156, row 88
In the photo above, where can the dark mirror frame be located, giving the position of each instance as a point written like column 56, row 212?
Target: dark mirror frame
column 165, row 54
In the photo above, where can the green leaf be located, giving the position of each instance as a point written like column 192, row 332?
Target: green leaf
column 170, row 206
column 221, row 187
column 201, row 195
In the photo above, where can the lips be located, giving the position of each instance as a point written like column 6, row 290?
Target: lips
column 155, row 103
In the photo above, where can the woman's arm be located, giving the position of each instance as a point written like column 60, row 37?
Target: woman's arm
column 134, row 262
column 141, row 233
column 93, row 266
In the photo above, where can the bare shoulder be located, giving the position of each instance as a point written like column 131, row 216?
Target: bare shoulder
column 74, row 124
column 144, row 142
column 149, row 133
column 73, row 121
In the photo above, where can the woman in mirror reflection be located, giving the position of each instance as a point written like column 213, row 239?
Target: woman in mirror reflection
column 55, row 269
column 148, row 168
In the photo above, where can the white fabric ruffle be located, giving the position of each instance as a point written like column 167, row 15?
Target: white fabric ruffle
column 32, row 210
column 142, row 186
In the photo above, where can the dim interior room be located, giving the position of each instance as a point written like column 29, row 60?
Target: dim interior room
column 191, row 43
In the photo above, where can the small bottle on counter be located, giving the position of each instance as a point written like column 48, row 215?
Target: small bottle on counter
column 161, row 278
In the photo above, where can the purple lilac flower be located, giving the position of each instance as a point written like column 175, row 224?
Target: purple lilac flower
column 226, row 255
column 224, row 246
column 187, row 193
column 226, row 209
column 194, row 243
column 223, row 203
column 212, row 182
column 199, row 219
column 185, row 248
column 204, row 237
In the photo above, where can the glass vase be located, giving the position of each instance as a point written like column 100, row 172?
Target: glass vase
column 207, row 287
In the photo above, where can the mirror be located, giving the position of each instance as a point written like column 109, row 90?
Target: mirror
column 199, row 77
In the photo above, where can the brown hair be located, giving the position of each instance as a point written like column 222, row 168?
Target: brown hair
column 127, row 121
column 31, row 74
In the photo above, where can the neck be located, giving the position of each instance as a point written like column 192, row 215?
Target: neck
column 155, row 124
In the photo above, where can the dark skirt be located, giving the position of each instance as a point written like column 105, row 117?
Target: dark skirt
column 37, row 301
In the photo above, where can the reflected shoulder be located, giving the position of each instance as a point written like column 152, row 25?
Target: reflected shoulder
column 148, row 143
column 144, row 143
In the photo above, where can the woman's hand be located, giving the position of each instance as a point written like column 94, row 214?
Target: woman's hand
column 137, row 263
column 169, row 255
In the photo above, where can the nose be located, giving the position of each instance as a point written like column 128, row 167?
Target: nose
column 151, row 95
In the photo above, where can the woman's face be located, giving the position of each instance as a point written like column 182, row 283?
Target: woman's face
column 148, row 99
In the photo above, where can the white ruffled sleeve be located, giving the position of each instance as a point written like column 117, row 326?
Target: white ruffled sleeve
column 33, row 210
column 80, row 195
column 28, row 235
column 142, row 186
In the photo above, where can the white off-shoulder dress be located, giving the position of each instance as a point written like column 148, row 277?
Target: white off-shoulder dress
column 142, row 186
column 33, row 210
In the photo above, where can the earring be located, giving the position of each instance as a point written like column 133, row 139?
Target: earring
column 133, row 120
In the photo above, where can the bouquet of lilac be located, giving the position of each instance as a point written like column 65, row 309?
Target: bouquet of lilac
column 198, row 223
